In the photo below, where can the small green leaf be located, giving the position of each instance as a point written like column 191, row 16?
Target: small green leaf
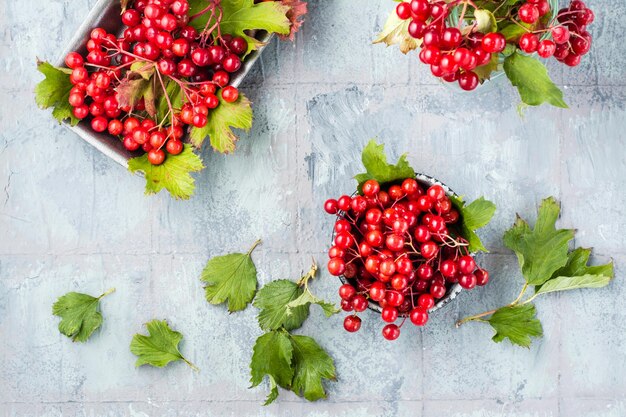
column 512, row 32
column 160, row 347
column 531, row 78
column 517, row 323
column 176, row 98
column 231, row 277
column 173, row 174
column 377, row 167
column 54, row 92
column 485, row 21
column 542, row 250
column 272, row 356
column 220, row 123
column 396, row 32
column 80, row 315
column 311, row 365
column 272, row 301
column 474, row 216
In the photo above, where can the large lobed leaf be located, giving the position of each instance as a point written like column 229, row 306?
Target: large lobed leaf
column 240, row 16
column 160, row 347
column 531, row 78
column 54, row 91
column 377, row 167
column 231, row 278
column 272, row 301
column 543, row 250
column 272, row 356
column 173, row 174
column 80, row 315
column 220, row 123
column 517, row 323
column 311, row 365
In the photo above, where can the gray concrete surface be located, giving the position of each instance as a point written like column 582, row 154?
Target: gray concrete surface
column 70, row 219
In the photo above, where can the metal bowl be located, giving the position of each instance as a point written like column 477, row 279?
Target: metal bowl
column 426, row 181
column 106, row 14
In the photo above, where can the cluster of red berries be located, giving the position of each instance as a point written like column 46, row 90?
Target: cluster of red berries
column 157, row 34
column 400, row 248
column 454, row 56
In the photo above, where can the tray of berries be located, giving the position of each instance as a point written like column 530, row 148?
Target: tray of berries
column 148, row 81
column 471, row 42
column 403, row 244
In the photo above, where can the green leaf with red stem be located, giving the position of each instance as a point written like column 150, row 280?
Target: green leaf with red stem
column 221, row 121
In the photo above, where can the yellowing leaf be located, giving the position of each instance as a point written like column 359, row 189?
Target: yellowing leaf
column 160, row 347
column 542, row 250
column 220, row 122
column 80, row 315
column 173, row 174
column 485, row 21
column 396, row 32
column 231, row 277
column 531, row 78
column 54, row 92
column 517, row 323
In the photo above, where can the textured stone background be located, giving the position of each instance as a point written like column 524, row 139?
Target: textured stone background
column 71, row 219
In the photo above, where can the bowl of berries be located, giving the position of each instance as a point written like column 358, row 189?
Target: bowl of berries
column 468, row 43
column 403, row 245
column 148, row 81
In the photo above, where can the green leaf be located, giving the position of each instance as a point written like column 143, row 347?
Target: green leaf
column 513, row 32
column 272, row 356
column 531, row 78
column 272, row 301
column 160, row 347
column 231, row 277
column 474, row 216
column 240, row 16
column 173, row 174
column 176, row 98
column 220, row 122
column 542, row 250
column 573, row 283
column 306, row 299
column 577, row 265
column 311, row 365
column 80, row 315
column 396, row 32
column 485, row 21
column 54, row 91
column 484, row 71
column 517, row 323
column 377, row 167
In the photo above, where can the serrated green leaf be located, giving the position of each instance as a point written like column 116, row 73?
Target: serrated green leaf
column 485, row 21
column 220, row 123
column 54, row 91
column 474, row 216
column 512, row 32
column 573, row 283
column 311, row 365
column 160, row 347
column 272, row 355
column 531, row 78
column 377, row 167
column 306, row 299
column 173, row 174
column 517, row 323
column 80, row 315
column 272, row 301
column 577, row 265
column 240, row 16
column 543, row 250
column 396, row 32
column 231, row 277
